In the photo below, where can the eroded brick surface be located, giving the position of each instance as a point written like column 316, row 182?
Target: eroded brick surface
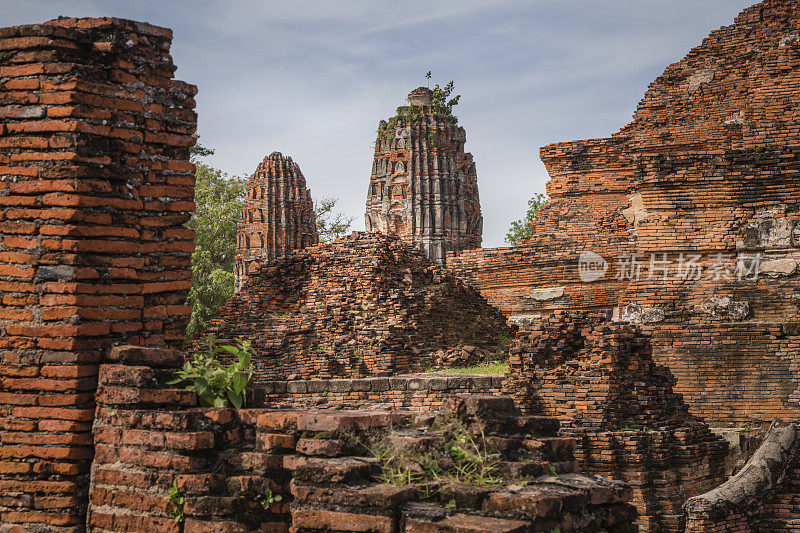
column 95, row 186
column 599, row 379
column 705, row 168
column 423, row 186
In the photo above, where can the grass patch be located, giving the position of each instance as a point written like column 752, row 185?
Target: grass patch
column 492, row 367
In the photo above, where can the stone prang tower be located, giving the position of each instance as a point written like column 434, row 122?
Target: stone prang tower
column 278, row 215
column 423, row 185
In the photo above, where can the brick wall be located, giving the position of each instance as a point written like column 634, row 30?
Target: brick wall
column 707, row 167
column 363, row 305
column 423, row 392
column 95, row 186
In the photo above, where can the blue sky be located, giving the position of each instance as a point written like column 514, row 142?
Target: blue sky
column 311, row 79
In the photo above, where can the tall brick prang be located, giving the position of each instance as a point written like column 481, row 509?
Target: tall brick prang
column 278, row 215
column 95, row 186
column 423, row 185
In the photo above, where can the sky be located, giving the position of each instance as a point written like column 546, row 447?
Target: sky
column 311, row 79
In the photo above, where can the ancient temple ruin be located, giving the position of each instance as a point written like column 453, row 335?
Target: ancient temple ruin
column 423, row 185
column 278, row 215
column 96, row 186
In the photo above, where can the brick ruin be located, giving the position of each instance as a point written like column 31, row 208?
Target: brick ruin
column 703, row 179
column 222, row 460
column 364, row 305
column 277, row 217
column 598, row 378
column 95, row 187
column 423, row 185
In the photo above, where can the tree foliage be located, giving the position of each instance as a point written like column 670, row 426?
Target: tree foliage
column 331, row 224
column 219, row 200
column 522, row 229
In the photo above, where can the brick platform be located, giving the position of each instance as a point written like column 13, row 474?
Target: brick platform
column 95, row 186
column 420, row 392
column 223, row 460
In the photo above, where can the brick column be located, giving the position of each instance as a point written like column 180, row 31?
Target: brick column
column 95, row 186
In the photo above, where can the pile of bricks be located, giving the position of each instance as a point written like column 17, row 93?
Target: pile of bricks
column 599, row 379
column 706, row 171
column 95, row 186
column 363, row 305
column 277, row 215
column 423, row 185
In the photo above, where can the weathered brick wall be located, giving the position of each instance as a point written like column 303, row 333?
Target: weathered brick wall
column 599, row 379
column 277, row 216
column 421, row 392
column 95, row 186
column 706, row 167
column 363, row 305
column 424, row 186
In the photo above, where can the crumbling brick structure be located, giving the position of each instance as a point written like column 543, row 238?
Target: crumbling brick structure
column 363, row 305
column 95, row 187
column 223, row 462
column 423, row 185
column 599, row 379
column 277, row 216
column 685, row 205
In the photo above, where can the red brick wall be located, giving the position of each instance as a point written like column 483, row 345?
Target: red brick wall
column 95, row 186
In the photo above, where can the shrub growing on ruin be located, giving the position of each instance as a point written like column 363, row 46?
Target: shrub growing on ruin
column 441, row 104
column 218, row 385
column 523, row 229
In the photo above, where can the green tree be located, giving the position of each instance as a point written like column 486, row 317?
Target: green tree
column 522, row 229
column 219, row 200
column 330, row 224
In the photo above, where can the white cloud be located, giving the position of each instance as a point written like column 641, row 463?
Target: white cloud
column 312, row 78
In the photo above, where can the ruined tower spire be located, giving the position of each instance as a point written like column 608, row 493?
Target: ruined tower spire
column 278, row 215
column 423, row 185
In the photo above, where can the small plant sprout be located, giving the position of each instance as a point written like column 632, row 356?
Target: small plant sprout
column 177, row 499
column 268, row 498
